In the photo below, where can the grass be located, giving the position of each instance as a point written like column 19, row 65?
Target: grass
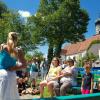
column 46, row 93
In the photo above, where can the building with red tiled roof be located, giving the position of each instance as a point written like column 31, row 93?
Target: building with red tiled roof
column 81, row 48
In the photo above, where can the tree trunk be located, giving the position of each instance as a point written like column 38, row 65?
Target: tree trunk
column 50, row 54
column 58, row 49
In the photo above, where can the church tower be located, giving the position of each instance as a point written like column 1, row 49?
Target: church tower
column 97, row 25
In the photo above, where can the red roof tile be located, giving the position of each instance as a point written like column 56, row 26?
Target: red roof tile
column 79, row 46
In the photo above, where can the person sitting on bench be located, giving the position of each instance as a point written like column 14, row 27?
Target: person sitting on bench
column 52, row 77
column 67, row 79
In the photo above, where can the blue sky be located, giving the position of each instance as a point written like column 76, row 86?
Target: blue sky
column 26, row 5
column 92, row 7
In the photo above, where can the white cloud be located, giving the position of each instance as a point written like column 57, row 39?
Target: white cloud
column 35, row 14
column 24, row 13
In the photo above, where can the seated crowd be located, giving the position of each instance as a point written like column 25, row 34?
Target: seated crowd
column 26, row 87
column 58, row 79
column 26, row 81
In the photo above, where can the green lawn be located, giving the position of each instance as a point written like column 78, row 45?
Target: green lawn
column 46, row 93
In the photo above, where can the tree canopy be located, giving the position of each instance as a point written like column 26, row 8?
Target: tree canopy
column 10, row 20
column 57, row 22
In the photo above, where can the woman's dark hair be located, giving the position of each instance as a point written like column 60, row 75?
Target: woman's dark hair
column 14, row 37
column 71, row 61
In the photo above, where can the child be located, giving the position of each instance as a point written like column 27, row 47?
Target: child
column 87, row 79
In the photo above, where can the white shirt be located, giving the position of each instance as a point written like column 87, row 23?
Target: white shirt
column 71, row 79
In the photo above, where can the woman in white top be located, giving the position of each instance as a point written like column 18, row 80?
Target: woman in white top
column 67, row 79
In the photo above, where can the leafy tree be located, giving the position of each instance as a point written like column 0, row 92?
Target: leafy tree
column 38, row 55
column 80, row 62
column 28, row 57
column 3, row 8
column 25, row 39
column 70, row 24
column 88, row 57
column 39, row 23
column 59, row 21
column 10, row 20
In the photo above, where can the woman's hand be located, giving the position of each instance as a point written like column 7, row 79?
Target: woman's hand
column 91, row 91
column 81, row 89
